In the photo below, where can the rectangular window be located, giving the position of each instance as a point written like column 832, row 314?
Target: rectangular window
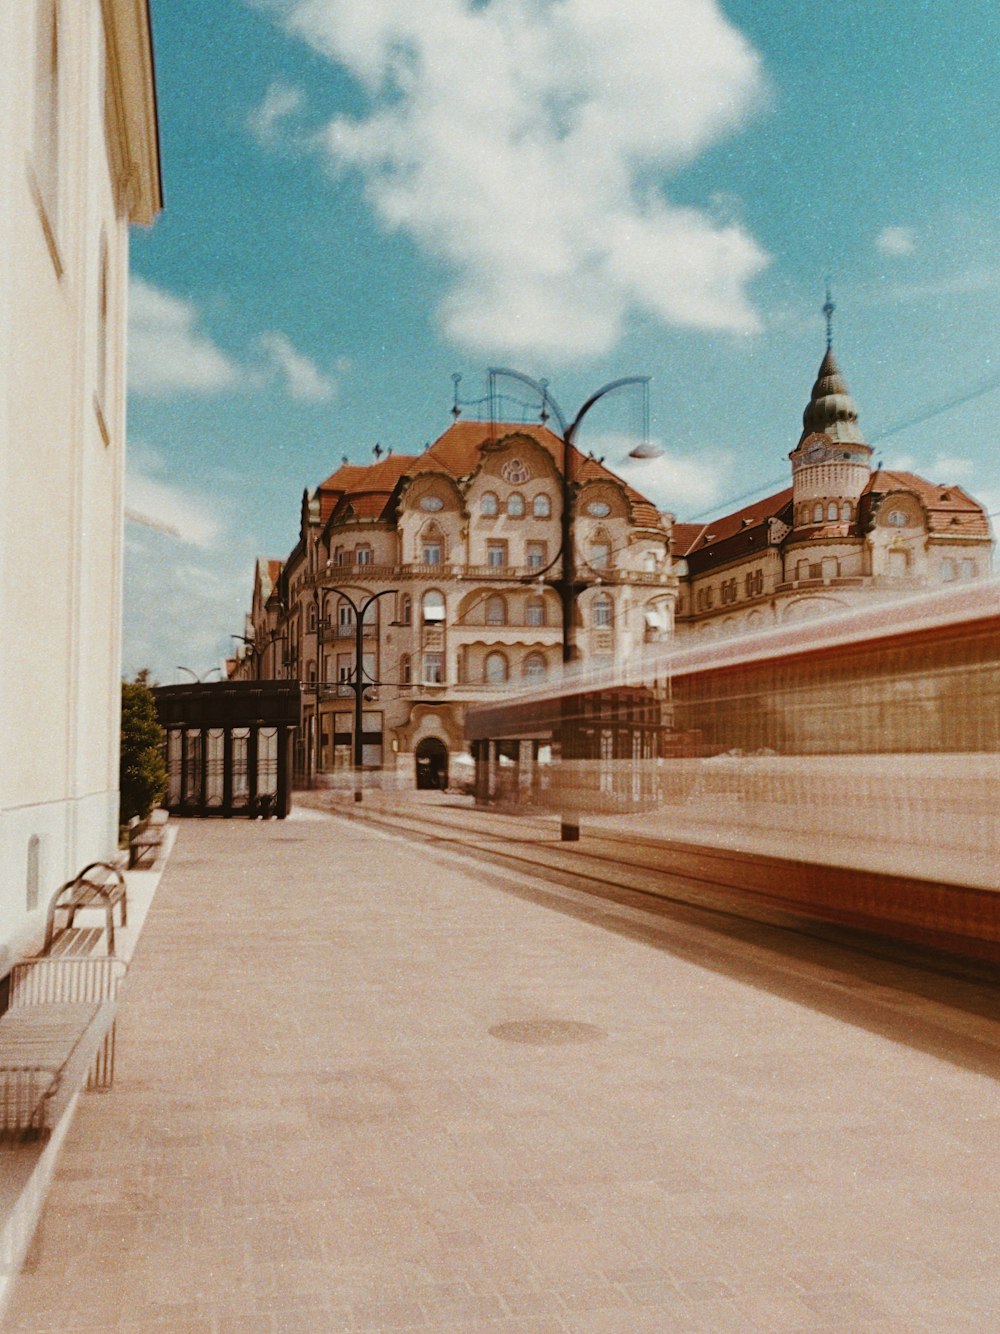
column 363, row 556
column 345, row 616
column 432, row 553
column 947, row 570
column 536, row 613
column 536, row 552
column 496, row 554
column 434, row 668
column 968, row 569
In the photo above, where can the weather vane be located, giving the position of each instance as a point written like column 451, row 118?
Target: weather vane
column 828, row 309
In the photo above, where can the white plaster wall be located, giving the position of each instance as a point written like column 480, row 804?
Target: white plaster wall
column 61, row 482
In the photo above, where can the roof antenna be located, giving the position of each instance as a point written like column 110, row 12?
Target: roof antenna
column 344, row 458
column 456, row 407
column 377, row 451
column 828, row 309
column 544, row 414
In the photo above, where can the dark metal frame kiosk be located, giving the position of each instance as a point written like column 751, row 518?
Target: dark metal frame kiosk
column 228, row 747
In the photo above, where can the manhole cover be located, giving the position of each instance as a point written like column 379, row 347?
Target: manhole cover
column 547, row 1032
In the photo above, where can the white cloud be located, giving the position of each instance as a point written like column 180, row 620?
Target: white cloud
column 157, row 504
column 167, row 352
column 524, row 144
column 305, row 381
column 896, row 241
column 281, row 101
column 676, row 482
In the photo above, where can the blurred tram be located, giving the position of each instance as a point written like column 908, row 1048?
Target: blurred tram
column 868, row 741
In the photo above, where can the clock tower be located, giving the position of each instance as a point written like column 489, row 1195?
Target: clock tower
column 831, row 463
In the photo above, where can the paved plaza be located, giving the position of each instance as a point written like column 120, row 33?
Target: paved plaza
column 364, row 1085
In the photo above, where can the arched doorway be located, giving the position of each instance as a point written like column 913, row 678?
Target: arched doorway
column 432, row 764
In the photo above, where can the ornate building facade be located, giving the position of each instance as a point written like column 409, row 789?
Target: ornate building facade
column 463, row 545
column 839, row 536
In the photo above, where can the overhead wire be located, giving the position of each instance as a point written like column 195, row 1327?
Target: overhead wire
column 987, row 387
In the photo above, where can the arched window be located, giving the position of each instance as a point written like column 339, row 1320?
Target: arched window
column 489, row 505
column 533, row 667
column 831, row 511
column 495, row 669
column 535, row 611
column 541, row 506
column 496, row 610
column 312, row 616
column 432, row 545
column 404, row 669
column 433, row 607
column 845, row 512
column 818, row 512
column 515, row 505
column 405, row 609
column 603, row 610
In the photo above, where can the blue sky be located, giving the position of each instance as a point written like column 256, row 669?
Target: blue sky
column 363, row 199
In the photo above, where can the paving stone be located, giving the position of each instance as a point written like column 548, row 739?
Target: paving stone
column 320, row 1122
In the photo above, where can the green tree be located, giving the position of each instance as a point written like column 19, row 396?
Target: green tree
column 142, row 774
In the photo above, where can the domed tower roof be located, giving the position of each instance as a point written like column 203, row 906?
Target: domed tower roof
column 831, row 410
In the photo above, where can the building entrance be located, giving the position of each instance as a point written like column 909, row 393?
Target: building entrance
column 432, row 764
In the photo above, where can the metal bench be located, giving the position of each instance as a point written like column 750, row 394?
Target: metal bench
column 99, row 885
column 57, row 1033
column 145, row 836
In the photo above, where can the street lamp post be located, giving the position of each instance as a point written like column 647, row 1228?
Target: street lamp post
column 200, row 679
column 567, row 582
column 357, row 683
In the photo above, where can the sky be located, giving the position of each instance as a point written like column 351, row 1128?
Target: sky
column 363, row 200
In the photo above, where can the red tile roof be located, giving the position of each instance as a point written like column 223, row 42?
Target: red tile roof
column 950, row 510
column 692, row 537
column 458, row 452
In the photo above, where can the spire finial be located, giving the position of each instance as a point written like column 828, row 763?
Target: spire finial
column 456, row 408
column 828, row 309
